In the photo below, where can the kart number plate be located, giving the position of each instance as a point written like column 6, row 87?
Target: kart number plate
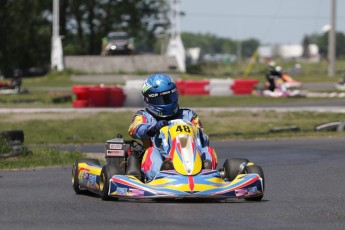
column 116, row 153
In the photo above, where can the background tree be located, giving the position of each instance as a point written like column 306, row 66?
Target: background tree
column 25, row 34
column 322, row 42
column 26, row 27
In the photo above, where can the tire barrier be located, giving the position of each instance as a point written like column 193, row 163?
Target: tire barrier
column 221, row 87
column 129, row 95
column 98, row 96
column 132, row 90
column 331, row 126
column 243, row 86
column 12, row 144
column 216, row 87
column 194, row 87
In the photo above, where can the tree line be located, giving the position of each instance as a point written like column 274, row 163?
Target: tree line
column 26, row 30
column 26, row 27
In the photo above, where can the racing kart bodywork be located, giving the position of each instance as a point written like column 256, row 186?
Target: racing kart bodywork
column 183, row 175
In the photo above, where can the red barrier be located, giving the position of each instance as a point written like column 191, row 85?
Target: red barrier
column 98, row 96
column 198, row 87
column 80, row 103
column 116, row 97
column 81, row 91
column 243, row 86
column 180, row 86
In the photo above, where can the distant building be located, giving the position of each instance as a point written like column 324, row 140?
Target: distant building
column 288, row 52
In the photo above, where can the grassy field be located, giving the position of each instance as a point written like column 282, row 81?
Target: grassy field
column 41, row 157
column 78, row 128
column 41, row 129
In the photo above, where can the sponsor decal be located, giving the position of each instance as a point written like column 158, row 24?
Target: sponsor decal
column 135, row 192
column 153, row 95
column 116, row 153
column 146, row 86
column 252, row 190
column 168, row 92
column 85, row 176
column 121, row 191
column 115, row 146
column 241, row 192
column 246, row 192
column 92, row 180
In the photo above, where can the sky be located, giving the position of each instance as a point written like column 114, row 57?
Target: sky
column 269, row 21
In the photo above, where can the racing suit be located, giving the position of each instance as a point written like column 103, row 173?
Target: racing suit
column 154, row 156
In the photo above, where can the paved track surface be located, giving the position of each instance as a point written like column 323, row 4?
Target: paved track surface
column 304, row 190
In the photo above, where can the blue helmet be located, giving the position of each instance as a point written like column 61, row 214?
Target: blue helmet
column 160, row 95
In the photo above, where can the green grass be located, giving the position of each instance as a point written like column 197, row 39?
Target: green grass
column 226, row 101
column 78, row 128
column 41, row 157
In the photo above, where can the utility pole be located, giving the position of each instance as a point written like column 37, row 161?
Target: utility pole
column 175, row 47
column 332, row 40
column 56, row 52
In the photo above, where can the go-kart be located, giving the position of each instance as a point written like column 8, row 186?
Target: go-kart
column 281, row 90
column 184, row 175
column 290, row 83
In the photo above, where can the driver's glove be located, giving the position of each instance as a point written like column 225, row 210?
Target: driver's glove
column 155, row 128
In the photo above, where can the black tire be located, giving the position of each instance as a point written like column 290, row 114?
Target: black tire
column 331, row 126
column 258, row 170
column 75, row 181
column 108, row 171
column 232, row 167
column 13, row 135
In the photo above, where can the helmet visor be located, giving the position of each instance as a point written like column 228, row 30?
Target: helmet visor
column 164, row 98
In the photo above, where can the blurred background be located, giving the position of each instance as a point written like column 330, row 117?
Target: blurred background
column 192, row 38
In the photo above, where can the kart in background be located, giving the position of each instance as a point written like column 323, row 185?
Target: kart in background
column 290, row 83
column 281, row 90
column 184, row 176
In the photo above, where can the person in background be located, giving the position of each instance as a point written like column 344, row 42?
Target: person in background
column 274, row 73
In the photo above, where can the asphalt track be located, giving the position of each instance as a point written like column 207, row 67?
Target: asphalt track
column 305, row 189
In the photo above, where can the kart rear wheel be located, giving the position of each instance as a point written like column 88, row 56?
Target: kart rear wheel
column 258, row 170
column 108, row 171
column 233, row 167
column 75, row 169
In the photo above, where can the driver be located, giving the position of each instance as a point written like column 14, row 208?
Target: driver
column 274, row 73
column 161, row 99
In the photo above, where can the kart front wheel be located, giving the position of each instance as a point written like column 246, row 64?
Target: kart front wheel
column 233, row 167
column 75, row 169
column 108, row 171
column 257, row 170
